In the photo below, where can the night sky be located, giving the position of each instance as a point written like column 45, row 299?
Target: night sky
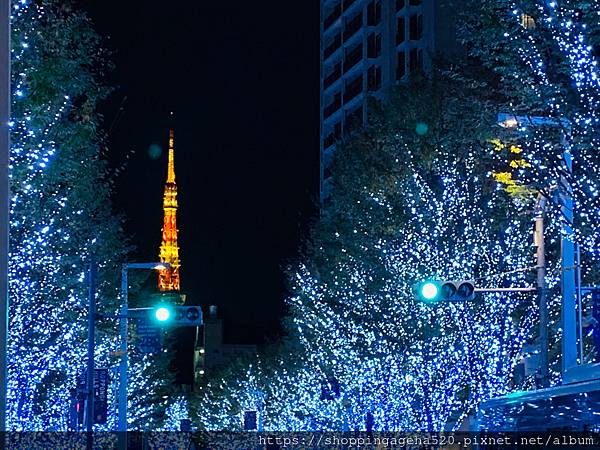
column 242, row 79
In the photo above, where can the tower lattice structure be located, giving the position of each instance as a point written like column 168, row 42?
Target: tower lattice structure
column 168, row 279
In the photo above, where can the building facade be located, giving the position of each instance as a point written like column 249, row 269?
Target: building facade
column 212, row 353
column 368, row 46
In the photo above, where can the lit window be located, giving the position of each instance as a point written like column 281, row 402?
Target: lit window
column 527, row 21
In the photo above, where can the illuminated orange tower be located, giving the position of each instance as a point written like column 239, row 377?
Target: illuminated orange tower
column 168, row 279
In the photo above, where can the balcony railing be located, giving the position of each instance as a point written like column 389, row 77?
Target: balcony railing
column 373, row 46
column 348, row 3
column 416, row 27
column 333, row 106
column 333, row 46
column 353, row 57
column 352, row 26
column 353, row 88
column 329, row 140
column 332, row 17
column 374, row 13
column 333, row 76
column 374, row 78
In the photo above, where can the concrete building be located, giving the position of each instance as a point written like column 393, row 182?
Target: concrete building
column 212, row 353
column 368, row 46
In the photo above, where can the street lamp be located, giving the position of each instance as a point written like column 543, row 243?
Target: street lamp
column 123, row 333
column 569, row 333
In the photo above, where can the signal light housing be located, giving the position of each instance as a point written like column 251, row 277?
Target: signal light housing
column 178, row 316
column 448, row 291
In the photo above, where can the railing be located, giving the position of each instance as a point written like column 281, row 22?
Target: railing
column 353, row 26
column 333, row 77
column 348, row 3
column 374, row 78
column 373, row 46
column 400, row 30
column 353, row 89
column 416, row 27
column 353, row 57
column 335, row 44
column 331, row 18
column 333, row 106
column 374, row 13
column 329, row 140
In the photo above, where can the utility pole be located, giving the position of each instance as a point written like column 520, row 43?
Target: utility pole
column 89, row 402
column 569, row 320
column 4, row 196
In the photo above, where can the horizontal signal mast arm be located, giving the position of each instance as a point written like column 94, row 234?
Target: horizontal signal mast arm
column 516, row 289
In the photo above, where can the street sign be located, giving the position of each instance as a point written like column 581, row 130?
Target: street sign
column 100, row 395
column 148, row 335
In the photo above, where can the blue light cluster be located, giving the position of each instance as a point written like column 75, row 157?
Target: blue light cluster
column 377, row 350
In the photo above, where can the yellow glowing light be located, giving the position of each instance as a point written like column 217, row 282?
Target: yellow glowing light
column 509, row 123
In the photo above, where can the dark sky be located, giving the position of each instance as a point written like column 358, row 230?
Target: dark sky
column 242, row 78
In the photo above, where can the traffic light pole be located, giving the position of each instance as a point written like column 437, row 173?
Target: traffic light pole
column 531, row 289
column 122, row 426
column 124, row 362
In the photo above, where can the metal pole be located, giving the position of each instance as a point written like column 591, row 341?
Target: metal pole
column 541, row 287
column 525, row 289
column 579, row 307
column 569, row 339
column 4, row 196
column 89, row 403
column 124, row 362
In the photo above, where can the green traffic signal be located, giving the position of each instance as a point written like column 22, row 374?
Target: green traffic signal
column 447, row 291
column 162, row 314
column 429, row 291
column 176, row 316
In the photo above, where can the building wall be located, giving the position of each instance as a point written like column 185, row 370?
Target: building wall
column 213, row 353
column 368, row 46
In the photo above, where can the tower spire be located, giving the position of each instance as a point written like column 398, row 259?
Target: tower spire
column 171, row 167
column 168, row 279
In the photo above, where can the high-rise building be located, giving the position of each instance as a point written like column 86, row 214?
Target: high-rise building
column 368, row 46
column 168, row 279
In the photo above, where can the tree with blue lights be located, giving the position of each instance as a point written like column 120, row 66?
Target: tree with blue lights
column 544, row 55
column 410, row 202
column 60, row 212
column 544, row 59
column 435, row 189
column 409, row 364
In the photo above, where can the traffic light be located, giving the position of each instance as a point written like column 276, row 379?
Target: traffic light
column 429, row 291
column 178, row 316
column 433, row 291
column 162, row 314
